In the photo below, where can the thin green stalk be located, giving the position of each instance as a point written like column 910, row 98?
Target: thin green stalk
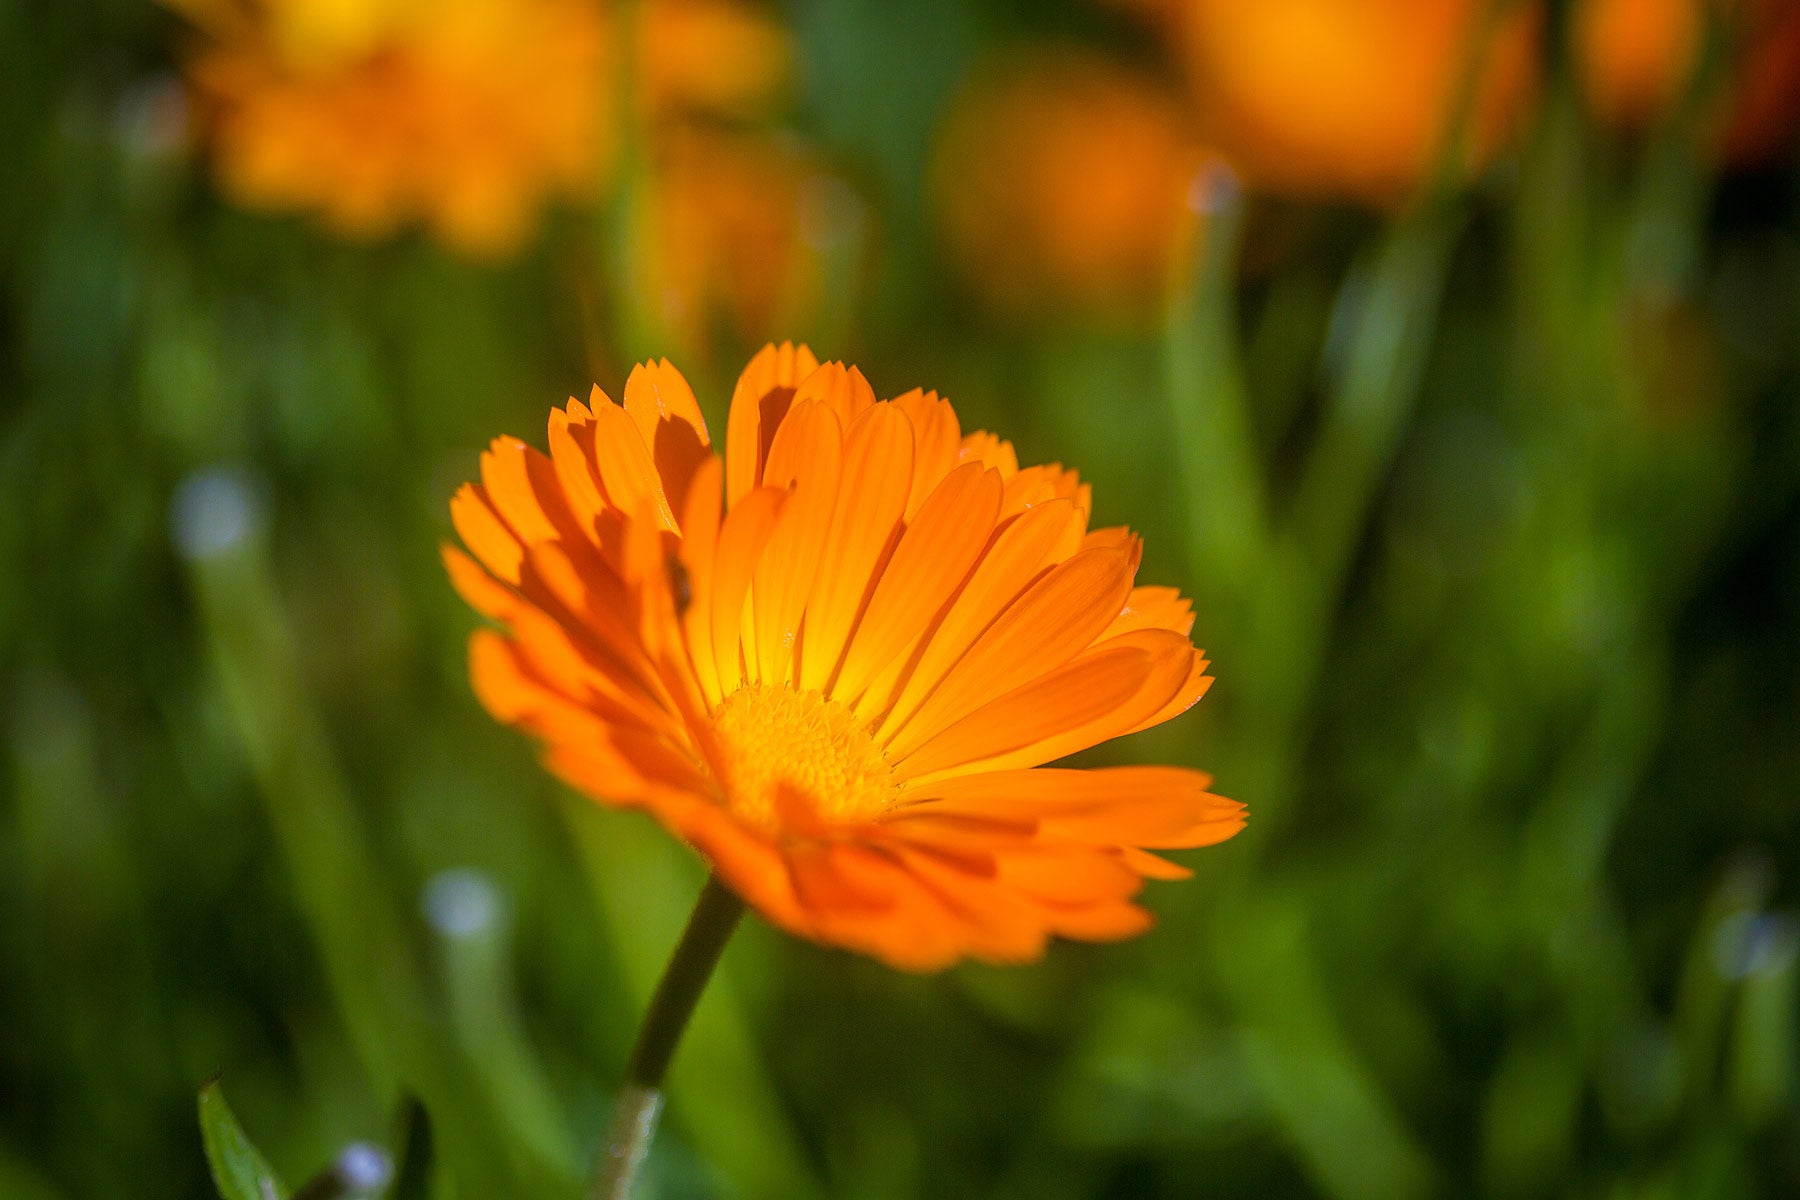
column 1209, row 411
column 635, row 1113
column 1391, row 310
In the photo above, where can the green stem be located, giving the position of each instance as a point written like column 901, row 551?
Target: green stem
column 1391, row 305
column 715, row 918
column 1209, row 411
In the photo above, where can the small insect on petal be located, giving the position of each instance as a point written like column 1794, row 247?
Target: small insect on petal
column 680, row 586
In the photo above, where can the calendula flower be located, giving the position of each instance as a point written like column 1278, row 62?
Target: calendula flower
column 835, row 659
column 1636, row 57
column 462, row 116
column 731, row 231
column 1065, row 182
column 1762, row 104
column 721, row 58
column 1352, row 97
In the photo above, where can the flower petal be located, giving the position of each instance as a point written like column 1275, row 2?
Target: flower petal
column 933, row 559
column 1162, row 808
column 700, row 520
column 758, row 404
column 1153, row 608
column 662, row 406
column 1056, row 618
column 1098, row 696
column 937, row 438
column 865, row 524
column 1034, row 542
column 743, row 536
column 626, row 468
column 841, row 389
column 808, row 457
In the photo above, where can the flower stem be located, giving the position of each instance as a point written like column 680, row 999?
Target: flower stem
column 714, row 919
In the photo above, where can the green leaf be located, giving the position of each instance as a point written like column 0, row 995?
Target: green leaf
column 417, row 1153
column 239, row 1171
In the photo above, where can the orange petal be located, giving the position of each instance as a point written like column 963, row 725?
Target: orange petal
column 1072, row 697
column 1032, row 543
column 758, row 404
column 1098, row 696
column 742, row 539
column 626, row 469
column 937, row 437
column 485, row 594
column 1034, row 485
column 865, row 524
column 1152, row 866
column 999, row 924
column 747, row 862
column 983, row 447
column 522, row 486
column 955, row 832
column 484, row 533
column 1153, row 608
column 807, row 456
column 1195, row 686
column 546, row 682
column 1162, row 808
column 910, row 930
column 699, row 548
column 571, row 450
column 662, row 406
column 1056, row 618
column 932, row 560
column 1073, row 876
column 841, row 389
column 588, row 602
column 1110, row 921
column 624, row 767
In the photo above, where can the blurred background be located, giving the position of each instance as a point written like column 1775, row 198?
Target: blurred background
column 1447, row 352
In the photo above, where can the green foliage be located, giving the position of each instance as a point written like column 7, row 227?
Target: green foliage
column 238, row 1169
column 1492, row 514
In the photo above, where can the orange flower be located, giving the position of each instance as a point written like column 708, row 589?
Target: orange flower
column 1638, row 57
column 1065, row 182
column 460, row 115
column 718, row 57
column 731, row 230
column 1351, row 97
column 834, row 660
column 1635, row 57
column 1762, row 107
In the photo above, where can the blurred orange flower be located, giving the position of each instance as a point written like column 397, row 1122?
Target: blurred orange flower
column 1637, row 58
column 1634, row 58
column 459, row 115
column 1065, row 182
column 1762, row 105
column 731, row 231
column 1352, row 97
column 834, row 659
column 718, row 57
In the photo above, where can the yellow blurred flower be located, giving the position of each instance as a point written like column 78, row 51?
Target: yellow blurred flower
column 462, row 116
column 1064, row 182
column 730, row 234
column 1352, row 97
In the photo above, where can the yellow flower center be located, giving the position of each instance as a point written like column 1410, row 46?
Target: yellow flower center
column 775, row 740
